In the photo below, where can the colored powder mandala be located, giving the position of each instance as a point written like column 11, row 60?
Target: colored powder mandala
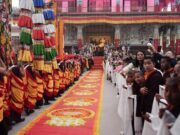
column 65, row 122
column 77, row 101
column 91, row 81
column 84, row 92
column 92, row 77
column 71, row 113
column 88, row 86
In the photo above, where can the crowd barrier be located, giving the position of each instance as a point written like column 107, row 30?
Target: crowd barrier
column 130, row 123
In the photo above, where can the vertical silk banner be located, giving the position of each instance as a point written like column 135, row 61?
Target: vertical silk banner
column 121, row 5
column 57, row 27
column 65, row 6
column 127, row 6
column 99, row 5
column 84, row 5
column 61, row 38
column 150, row 5
column 113, row 5
column 118, row 8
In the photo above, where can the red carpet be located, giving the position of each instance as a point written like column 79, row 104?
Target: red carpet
column 76, row 113
column 98, row 62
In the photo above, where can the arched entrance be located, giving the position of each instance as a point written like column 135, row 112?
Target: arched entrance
column 94, row 33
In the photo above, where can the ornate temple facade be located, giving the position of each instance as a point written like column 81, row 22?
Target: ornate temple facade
column 122, row 22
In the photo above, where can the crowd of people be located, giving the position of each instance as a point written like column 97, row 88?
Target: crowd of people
column 148, row 90
column 24, row 89
column 90, row 49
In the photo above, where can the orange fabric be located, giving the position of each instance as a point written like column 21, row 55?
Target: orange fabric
column 71, row 75
column 56, row 82
column 1, row 101
column 67, row 77
column 76, row 71
column 147, row 74
column 49, row 84
column 32, row 91
column 61, row 38
column 62, row 82
column 6, row 108
column 17, row 93
column 40, row 86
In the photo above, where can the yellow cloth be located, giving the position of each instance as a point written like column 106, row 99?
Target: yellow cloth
column 6, row 95
column 17, row 92
column 62, row 82
column 54, row 63
column 38, row 64
column 31, row 90
column 49, row 83
column 40, row 86
column 56, row 81
column 25, row 56
column 48, row 67
column 67, row 76
column 72, row 76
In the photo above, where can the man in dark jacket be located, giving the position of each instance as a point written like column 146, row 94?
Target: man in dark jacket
column 153, row 79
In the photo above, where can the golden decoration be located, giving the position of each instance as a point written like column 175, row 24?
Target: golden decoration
column 79, row 101
column 72, row 113
column 84, row 92
column 88, row 86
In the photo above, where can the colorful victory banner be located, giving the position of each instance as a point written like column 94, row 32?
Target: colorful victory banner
column 77, row 112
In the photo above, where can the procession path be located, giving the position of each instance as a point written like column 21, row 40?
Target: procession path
column 77, row 112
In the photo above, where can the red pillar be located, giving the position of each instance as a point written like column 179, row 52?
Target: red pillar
column 156, row 36
column 164, row 43
column 79, row 36
column 172, row 41
column 116, row 42
column 79, row 43
column 156, row 8
column 178, row 40
column 79, row 8
column 178, row 7
column 156, row 43
column 177, row 46
column 117, row 35
column 118, row 8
